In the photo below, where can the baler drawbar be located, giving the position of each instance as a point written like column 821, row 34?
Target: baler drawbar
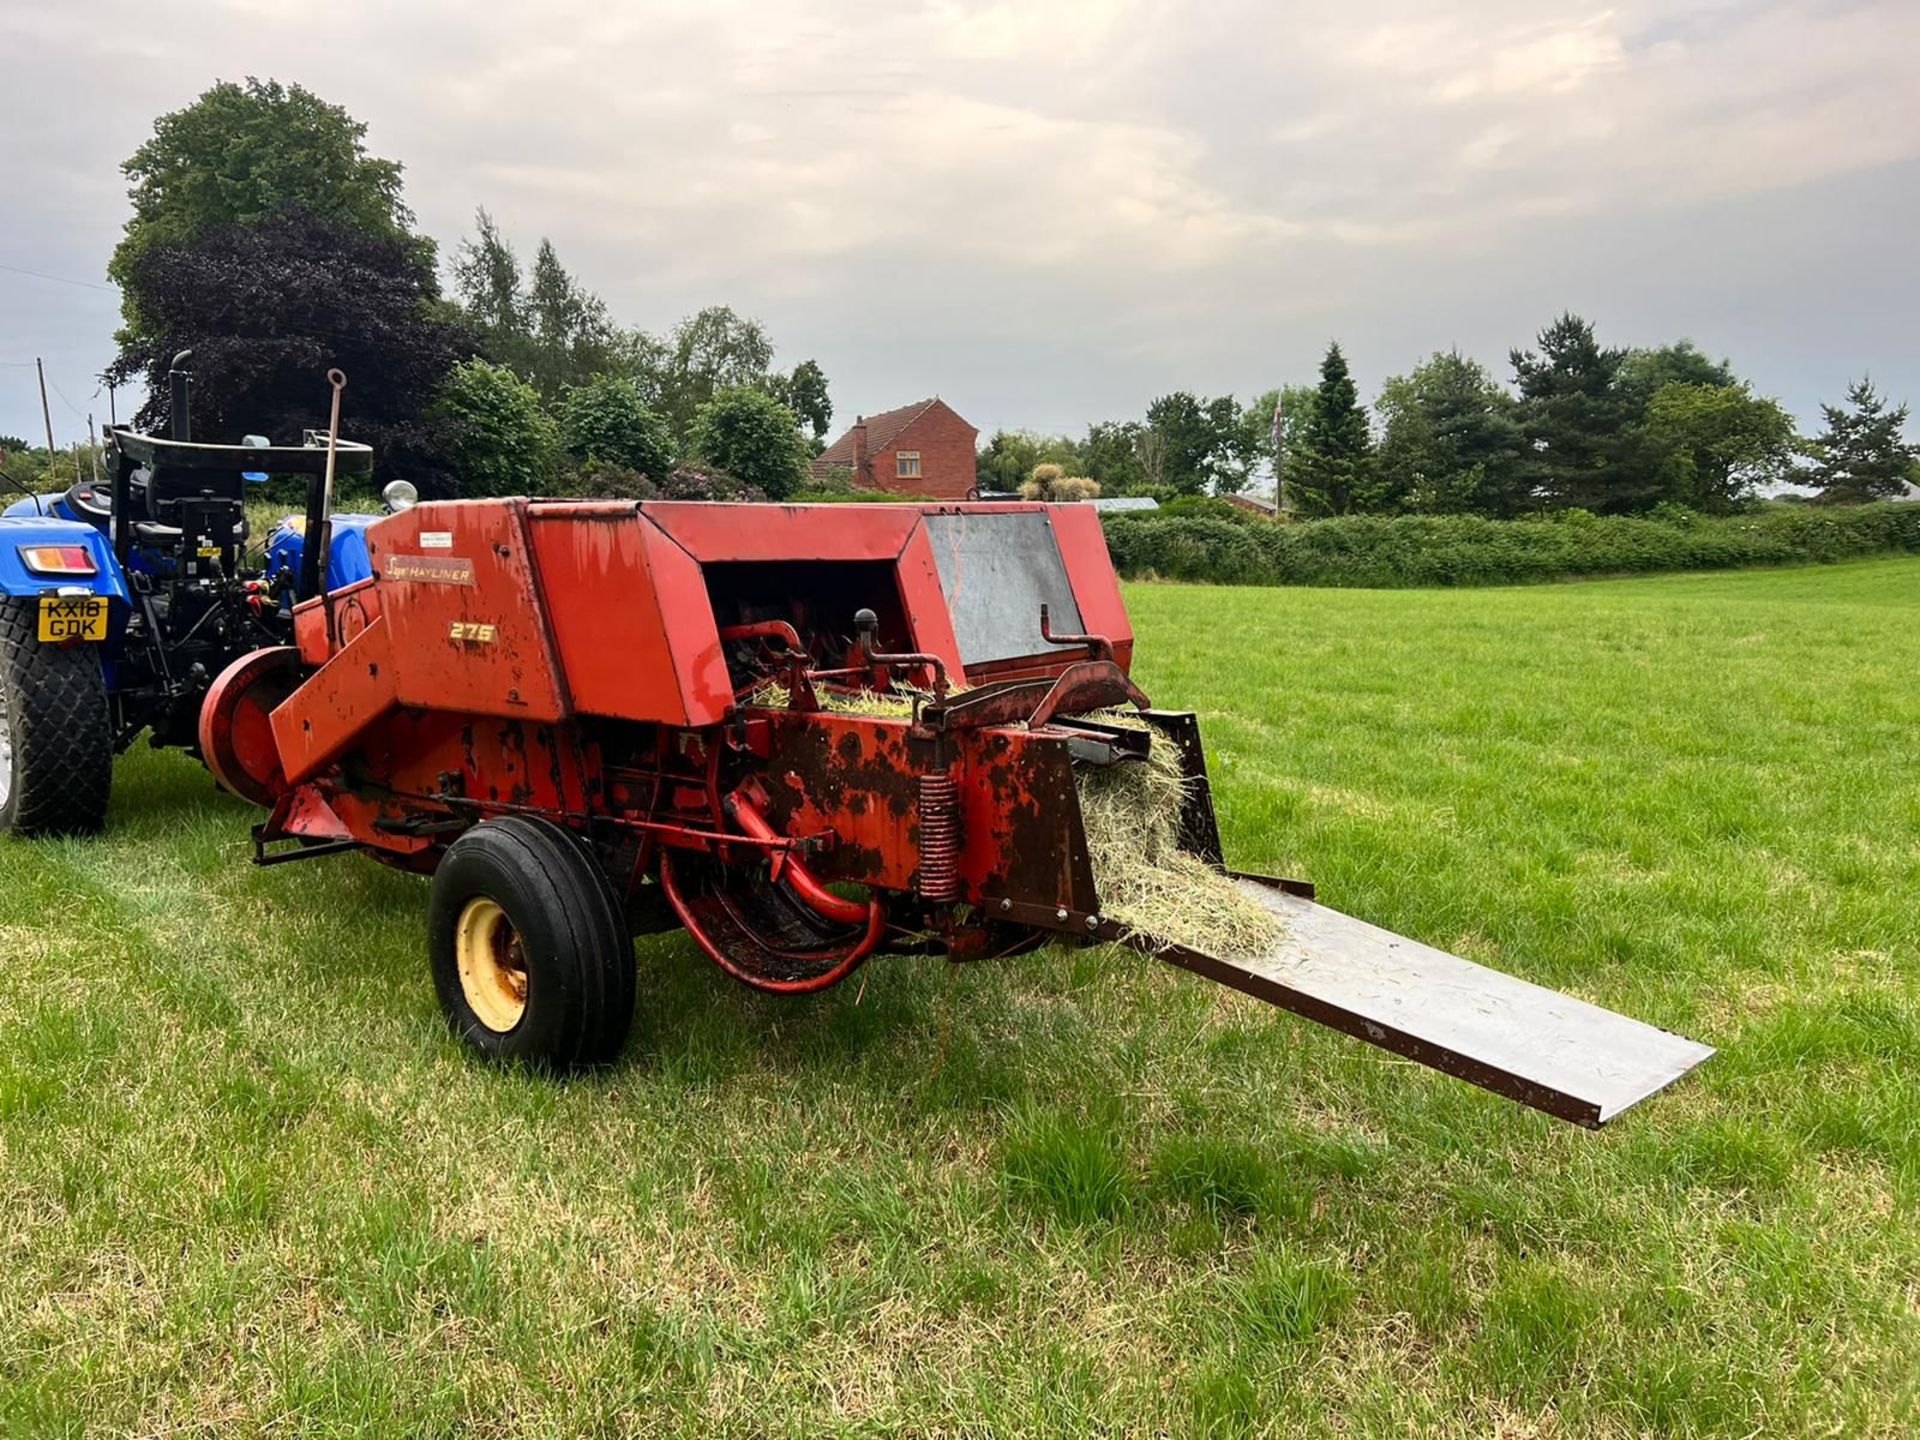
column 808, row 735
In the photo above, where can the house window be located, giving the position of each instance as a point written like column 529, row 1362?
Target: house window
column 907, row 464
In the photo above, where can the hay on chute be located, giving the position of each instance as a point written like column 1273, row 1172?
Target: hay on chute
column 1131, row 814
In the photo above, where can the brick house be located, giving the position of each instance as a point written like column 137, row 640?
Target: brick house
column 920, row 449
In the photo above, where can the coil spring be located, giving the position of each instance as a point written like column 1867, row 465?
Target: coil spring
column 939, row 838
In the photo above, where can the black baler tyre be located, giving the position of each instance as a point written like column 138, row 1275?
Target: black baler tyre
column 56, row 736
column 530, row 959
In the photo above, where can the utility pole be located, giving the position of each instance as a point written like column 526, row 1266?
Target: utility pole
column 46, row 414
column 93, row 447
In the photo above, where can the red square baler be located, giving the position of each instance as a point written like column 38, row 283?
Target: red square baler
column 809, row 735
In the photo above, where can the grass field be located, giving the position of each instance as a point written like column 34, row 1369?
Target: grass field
column 250, row 1186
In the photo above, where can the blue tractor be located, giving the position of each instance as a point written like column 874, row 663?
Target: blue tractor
column 120, row 602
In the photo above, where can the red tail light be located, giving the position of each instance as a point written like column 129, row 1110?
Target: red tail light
column 58, row 559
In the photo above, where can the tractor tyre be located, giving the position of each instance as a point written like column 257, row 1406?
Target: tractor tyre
column 56, row 734
column 530, row 957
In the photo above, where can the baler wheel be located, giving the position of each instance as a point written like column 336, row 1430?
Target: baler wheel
column 530, row 957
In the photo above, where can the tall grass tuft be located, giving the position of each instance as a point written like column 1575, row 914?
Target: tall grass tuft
column 1073, row 1169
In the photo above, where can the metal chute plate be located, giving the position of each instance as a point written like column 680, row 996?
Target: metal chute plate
column 1558, row 1054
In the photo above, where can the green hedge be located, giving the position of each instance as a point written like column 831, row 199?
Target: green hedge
column 1406, row 550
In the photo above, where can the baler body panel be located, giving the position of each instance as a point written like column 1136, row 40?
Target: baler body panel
column 631, row 622
column 471, row 627
column 853, row 778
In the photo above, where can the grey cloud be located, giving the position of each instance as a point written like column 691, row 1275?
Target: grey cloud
column 1050, row 212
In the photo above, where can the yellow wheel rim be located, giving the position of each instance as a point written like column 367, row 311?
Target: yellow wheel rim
column 493, row 967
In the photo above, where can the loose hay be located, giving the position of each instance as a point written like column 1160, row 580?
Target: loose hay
column 775, row 696
column 1131, row 814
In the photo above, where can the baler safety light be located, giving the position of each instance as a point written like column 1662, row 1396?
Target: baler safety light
column 58, row 559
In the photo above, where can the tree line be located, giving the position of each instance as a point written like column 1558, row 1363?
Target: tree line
column 267, row 240
column 1582, row 427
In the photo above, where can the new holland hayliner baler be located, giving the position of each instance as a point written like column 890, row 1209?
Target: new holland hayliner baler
column 589, row 720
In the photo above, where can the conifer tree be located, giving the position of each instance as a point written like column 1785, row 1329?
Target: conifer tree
column 1574, row 412
column 1333, row 472
column 1863, row 454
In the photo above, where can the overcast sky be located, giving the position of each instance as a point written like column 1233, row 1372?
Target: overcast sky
column 1050, row 211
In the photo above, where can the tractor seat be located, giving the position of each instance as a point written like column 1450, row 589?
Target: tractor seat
column 152, row 532
column 164, row 491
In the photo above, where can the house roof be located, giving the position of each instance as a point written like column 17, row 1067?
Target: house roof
column 882, row 430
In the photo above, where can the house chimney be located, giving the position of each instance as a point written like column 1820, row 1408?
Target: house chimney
column 861, row 474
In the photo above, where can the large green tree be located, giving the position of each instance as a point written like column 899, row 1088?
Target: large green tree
column 1007, row 459
column 1576, row 415
column 804, row 391
column 606, row 420
column 242, row 153
column 710, row 351
column 1644, row 370
column 754, row 438
column 1863, row 453
column 1110, row 454
column 1192, row 445
column 1712, row 446
column 547, row 326
column 1333, row 473
column 267, row 308
column 499, row 438
column 1450, row 439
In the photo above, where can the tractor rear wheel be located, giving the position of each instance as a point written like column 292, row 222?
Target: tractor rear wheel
column 56, row 737
column 530, row 956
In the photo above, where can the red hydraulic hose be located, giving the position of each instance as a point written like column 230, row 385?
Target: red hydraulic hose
column 847, row 964
column 787, row 867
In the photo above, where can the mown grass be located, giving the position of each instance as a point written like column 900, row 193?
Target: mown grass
column 250, row 1186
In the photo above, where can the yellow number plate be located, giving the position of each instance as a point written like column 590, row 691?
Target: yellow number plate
column 73, row 617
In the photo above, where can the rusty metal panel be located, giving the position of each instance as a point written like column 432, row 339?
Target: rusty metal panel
column 1021, row 835
column 855, row 776
column 997, row 569
column 1553, row 1052
column 331, row 711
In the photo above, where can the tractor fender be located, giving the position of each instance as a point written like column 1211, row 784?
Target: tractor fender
column 38, row 507
column 22, row 532
column 347, row 560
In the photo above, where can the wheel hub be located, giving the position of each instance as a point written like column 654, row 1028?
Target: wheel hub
column 492, row 965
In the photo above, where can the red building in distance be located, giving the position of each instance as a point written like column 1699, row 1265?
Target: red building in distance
column 923, row 449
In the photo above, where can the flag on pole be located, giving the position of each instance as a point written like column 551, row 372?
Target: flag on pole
column 1274, row 432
